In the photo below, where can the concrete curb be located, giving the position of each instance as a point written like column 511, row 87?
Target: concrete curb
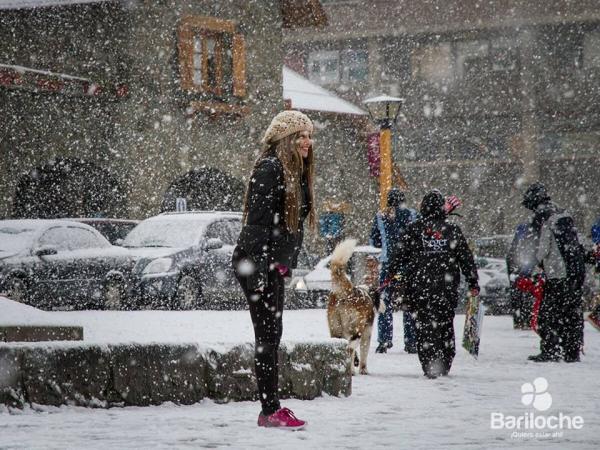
column 150, row 374
column 37, row 333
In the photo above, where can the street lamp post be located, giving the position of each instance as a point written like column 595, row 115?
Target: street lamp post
column 384, row 111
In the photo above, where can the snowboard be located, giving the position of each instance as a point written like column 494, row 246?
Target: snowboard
column 473, row 325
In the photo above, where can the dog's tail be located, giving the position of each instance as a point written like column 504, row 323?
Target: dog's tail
column 339, row 261
column 378, row 304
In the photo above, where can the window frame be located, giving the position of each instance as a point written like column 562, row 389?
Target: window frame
column 204, row 27
column 590, row 49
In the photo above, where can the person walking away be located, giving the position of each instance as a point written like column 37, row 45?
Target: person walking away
column 279, row 199
column 521, row 262
column 431, row 257
column 561, row 256
column 387, row 229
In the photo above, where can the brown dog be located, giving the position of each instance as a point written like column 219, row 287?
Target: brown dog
column 351, row 311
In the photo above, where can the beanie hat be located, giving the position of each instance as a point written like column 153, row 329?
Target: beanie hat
column 535, row 195
column 286, row 123
column 433, row 204
column 395, row 197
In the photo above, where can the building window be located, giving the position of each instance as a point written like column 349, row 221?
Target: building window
column 212, row 57
column 433, row 63
column 477, row 58
column 333, row 66
column 354, row 65
column 323, row 67
column 504, row 54
column 472, row 59
column 591, row 49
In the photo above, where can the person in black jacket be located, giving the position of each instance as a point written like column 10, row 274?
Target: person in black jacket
column 278, row 200
column 431, row 256
column 560, row 254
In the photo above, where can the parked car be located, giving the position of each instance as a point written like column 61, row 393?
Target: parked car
column 183, row 260
column 493, row 246
column 493, row 283
column 313, row 289
column 306, row 263
column 57, row 263
column 115, row 230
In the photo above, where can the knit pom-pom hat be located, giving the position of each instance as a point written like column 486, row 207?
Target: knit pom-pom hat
column 286, row 123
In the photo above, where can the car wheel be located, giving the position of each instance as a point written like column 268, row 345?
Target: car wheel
column 188, row 293
column 16, row 289
column 114, row 294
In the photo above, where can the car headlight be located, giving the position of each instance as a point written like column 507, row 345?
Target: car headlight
column 159, row 265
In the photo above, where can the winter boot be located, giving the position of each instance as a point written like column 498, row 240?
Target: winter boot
column 383, row 347
column 283, row 418
column 572, row 358
column 544, row 357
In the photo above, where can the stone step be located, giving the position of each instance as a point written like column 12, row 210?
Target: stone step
column 149, row 374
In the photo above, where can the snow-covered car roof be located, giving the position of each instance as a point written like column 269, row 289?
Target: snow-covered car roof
column 207, row 214
column 101, row 220
column 174, row 229
column 17, row 235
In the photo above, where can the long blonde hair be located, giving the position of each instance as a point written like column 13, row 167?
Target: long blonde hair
column 294, row 167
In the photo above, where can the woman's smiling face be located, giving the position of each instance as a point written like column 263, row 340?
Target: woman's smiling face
column 304, row 143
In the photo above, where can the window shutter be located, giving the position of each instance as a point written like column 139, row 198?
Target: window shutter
column 186, row 56
column 239, row 65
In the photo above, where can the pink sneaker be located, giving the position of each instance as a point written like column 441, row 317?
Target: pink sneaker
column 282, row 418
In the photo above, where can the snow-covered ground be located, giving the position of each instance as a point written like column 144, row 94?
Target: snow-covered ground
column 393, row 407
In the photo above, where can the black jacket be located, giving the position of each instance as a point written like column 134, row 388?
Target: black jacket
column 264, row 237
column 559, row 251
column 431, row 256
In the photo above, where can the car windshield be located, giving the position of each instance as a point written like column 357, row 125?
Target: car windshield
column 177, row 232
column 15, row 239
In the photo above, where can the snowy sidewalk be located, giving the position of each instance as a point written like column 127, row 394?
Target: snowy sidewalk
column 393, row 407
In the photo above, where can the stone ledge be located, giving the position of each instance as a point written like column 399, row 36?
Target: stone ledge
column 37, row 333
column 142, row 374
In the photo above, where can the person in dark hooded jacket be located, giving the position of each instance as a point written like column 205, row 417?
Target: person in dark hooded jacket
column 560, row 254
column 386, row 232
column 431, row 256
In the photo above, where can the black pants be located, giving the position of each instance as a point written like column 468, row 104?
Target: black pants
column 266, row 311
column 521, row 304
column 435, row 335
column 560, row 320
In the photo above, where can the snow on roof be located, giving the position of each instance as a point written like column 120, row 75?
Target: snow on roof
column 306, row 95
column 23, row 4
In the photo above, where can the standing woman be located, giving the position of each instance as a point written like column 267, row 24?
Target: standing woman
column 278, row 200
